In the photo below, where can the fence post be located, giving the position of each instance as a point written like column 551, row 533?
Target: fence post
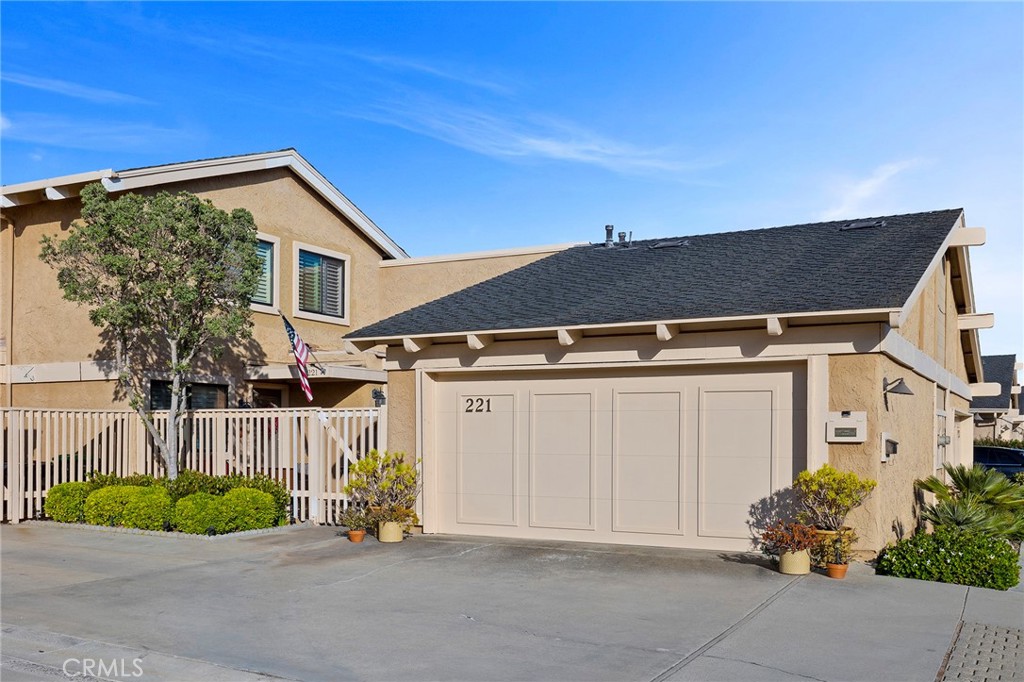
column 316, row 463
column 16, row 464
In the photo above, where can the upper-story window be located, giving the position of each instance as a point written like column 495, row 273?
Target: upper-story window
column 322, row 291
column 265, row 298
column 265, row 287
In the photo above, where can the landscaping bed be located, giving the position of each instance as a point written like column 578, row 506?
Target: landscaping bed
column 193, row 503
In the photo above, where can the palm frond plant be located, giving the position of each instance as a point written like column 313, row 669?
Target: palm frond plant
column 976, row 499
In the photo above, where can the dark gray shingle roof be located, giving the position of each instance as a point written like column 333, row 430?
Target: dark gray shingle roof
column 818, row 267
column 996, row 368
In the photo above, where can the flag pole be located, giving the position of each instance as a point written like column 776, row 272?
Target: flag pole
column 316, row 361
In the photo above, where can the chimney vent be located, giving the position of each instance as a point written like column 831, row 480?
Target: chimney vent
column 608, row 229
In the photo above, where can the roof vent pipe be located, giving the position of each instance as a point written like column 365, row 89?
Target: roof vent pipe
column 608, row 229
column 622, row 238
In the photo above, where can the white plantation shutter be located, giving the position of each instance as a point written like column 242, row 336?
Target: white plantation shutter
column 321, row 284
column 265, row 287
column 334, row 287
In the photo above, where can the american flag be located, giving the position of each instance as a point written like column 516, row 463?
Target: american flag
column 301, row 352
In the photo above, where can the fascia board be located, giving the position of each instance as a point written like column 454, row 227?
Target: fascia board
column 922, row 283
column 882, row 314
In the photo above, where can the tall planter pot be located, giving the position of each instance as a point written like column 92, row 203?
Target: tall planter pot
column 389, row 531
column 795, row 563
column 825, row 536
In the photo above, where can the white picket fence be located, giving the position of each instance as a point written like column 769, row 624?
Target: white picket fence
column 309, row 450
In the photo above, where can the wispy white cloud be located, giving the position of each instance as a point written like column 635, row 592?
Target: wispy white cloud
column 522, row 136
column 69, row 89
column 5, row 123
column 855, row 195
column 449, row 73
column 59, row 131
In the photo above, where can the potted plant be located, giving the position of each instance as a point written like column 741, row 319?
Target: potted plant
column 357, row 520
column 388, row 485
column 836, row 550
column 826, row 497
column 790, row 542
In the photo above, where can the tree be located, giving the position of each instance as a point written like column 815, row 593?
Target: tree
column 166, row 277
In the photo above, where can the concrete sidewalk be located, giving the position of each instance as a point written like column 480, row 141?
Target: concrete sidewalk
column 308, row 605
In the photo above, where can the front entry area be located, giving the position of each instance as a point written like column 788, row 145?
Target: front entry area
column 666, row 457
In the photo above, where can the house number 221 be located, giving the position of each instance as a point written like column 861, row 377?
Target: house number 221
column 478, row 404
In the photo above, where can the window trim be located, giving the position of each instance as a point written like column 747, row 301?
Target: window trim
column 320, row 251
column 275, row 287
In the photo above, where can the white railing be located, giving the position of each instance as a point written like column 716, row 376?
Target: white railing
column 309, row 450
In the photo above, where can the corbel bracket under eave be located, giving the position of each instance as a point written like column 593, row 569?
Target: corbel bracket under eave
column 988, row 389
column 479, row 341
column 896, row 319
column 567, row 337
column 776, row 326
column 968, row 236
column 666, row 332
column 412, row 345
column 976, row 321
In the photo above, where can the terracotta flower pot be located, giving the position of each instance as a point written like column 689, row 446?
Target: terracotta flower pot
column 795, row 563
column 837, row 571
column 356, row 535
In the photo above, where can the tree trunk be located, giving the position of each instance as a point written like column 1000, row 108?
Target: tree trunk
column 173, row 416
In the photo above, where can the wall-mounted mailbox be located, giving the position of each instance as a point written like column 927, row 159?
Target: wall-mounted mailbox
column 847, row 427
column 890, row 446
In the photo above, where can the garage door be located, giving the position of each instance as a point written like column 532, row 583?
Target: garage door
column 640, row 458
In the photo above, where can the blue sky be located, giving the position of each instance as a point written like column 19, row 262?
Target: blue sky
column 463, row 127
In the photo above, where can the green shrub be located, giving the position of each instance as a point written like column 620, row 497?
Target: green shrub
column 99, row 480
column 282, row 496
column 951, row 555
column 1018, row 478
column 199, row 513
column 999, row 443
column 148, row 508
column 192, row 482
column 106, row 506
column 248, row 509
column 65, row 502
column 828, row 495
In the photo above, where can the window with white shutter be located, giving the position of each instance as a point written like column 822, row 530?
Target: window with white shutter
column 321, row 284
column 264, row 293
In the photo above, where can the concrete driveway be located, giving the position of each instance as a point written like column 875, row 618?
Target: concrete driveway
column 305, row 604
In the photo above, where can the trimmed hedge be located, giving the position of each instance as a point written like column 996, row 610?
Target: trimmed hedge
column 191, row 482
column 199, row 514
column 65, row 502
column 105, row 507
column 192, row 503
column 248, row 509
column 149, row 508
column 950, row 555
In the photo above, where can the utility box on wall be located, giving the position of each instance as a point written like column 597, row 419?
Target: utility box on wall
column 847, row 427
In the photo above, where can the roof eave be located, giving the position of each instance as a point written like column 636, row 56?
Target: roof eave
column 774, row 324
column 69, row 186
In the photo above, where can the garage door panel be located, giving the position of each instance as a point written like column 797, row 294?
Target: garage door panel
column 485, row 459
column 646, row 463
column 561, row 460
column 735, row 465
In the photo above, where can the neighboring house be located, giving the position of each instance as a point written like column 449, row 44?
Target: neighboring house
column 325, row 268
column 656, row 392
column 999, row 416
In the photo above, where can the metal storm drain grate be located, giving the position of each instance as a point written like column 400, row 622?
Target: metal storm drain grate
column 986, row 652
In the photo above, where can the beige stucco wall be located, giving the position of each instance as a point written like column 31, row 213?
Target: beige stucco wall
column 406, row 286
column 402, row 412
column 47, row 329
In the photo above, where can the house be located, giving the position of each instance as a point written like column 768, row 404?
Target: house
column 657, row 392
column 325, row 268
column 652, row 392
column 998, row 416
